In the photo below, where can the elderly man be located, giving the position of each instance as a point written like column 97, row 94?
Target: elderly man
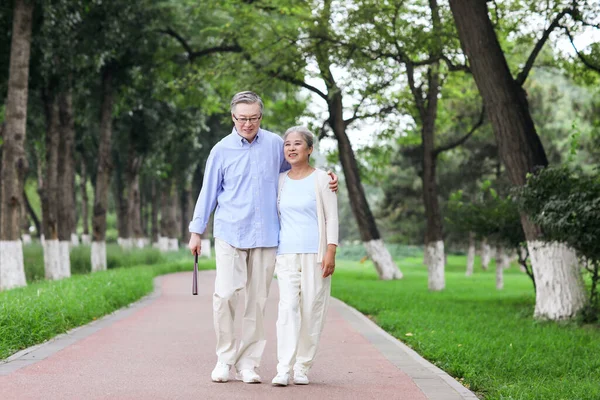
column 240, row 179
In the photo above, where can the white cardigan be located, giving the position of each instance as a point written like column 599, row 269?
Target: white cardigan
column 327, row 210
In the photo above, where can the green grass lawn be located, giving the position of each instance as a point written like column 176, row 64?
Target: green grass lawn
column 484, row 337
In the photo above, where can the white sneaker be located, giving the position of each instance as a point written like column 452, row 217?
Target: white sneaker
column 281, row 379
column 300, row 378
column 248, row 376
column 221, row 372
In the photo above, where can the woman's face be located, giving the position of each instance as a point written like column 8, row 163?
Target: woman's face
column 295, row 149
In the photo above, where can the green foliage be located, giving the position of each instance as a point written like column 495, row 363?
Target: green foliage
column 491, row 216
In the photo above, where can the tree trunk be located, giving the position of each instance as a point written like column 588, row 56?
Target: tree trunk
column 434, row 244
column 521, row 151
column 53, row 265
column 121, row 203
column 486, row 254
column 168, row 221
column 98, row 254
column 134, row 222
column 32, row 215
column 14, row 160
column 66, row 174
column 156, row 200
column 25, row 235
column 85, row 237
column 471, row 254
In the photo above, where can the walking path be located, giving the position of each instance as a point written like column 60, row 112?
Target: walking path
column 163, row 348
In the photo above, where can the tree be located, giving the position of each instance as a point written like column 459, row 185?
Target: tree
column 520, row 149
column 424, row 56
column 14, row 163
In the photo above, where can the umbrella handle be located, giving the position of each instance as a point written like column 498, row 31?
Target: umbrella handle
column 195, row 276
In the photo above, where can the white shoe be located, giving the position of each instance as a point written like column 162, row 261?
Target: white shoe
column 300, row 378
column 221, row 372
column 248, row 376
column 281, row 379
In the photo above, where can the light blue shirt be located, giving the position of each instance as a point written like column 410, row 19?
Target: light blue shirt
column 240, row 179
column 299, row 232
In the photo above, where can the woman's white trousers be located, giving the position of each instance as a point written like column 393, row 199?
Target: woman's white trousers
column 303, row 300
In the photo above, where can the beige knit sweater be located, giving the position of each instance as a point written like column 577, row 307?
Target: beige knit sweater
column 327, row 210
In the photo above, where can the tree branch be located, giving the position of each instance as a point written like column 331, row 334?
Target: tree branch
column 278, row 74
column 462, row 140
column 383, row 111
column 192, row 55
column 581, row 57
column 538, row 46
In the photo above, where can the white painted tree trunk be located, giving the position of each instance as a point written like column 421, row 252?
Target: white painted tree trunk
column 163, row 244
column 382, row 259
column 53, row 264
column 12, row 269
column 435, row 268
column 98, row 256
column 486, row 254
column 141, row 242
column 125, row 243
column 74, row 239
column 205, row 248
column 499, row 277
column 86, row 240
column 470, row 256
column 173, row 244
column 26, row 238
column 560, row 291
column 502, row 257
column 65, row 258
column 42, row 239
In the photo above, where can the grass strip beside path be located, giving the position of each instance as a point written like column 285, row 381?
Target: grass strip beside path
column 485, row 338
column 42, row 310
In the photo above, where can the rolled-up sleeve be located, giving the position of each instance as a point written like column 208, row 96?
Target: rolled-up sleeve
column 211, row 187
column 331, row 213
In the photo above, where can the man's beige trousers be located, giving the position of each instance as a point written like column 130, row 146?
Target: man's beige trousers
column 303, row 300
column 237, row 269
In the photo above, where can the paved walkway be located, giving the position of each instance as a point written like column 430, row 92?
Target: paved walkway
column 163, row 348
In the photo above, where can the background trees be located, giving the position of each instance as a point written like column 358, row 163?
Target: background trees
column 126, row 99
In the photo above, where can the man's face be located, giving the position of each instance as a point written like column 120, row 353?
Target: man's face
column 246, row 118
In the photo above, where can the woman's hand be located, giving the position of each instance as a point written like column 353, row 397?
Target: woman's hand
column 333, row 183
column 328, row 264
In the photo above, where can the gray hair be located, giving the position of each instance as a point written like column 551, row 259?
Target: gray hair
column 246, row 97
column 302, row 130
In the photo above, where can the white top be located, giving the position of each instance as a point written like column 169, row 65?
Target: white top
column 327, row 212
column 298, row 221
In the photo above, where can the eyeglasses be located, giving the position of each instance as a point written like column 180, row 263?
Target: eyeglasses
column 252, row 120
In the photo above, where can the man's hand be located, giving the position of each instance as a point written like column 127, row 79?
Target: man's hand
column 328, row 264
column 195, row 244
column 333, row 185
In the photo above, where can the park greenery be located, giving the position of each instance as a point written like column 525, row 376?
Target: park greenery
column 461, row 130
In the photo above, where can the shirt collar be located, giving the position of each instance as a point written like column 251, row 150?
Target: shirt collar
column 242, row 140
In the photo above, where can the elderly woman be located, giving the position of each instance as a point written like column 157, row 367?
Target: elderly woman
column 305, row 257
